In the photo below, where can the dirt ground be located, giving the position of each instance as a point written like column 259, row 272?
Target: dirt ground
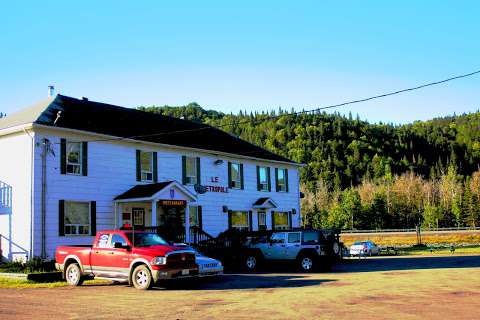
column 446, row 287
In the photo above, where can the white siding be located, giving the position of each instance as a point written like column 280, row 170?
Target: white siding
column 15, row 170
column 112, row 171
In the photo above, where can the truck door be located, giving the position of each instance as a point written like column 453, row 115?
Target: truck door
column 293, row 245
column 119, row 260
column 100, row 255
column 276, row 247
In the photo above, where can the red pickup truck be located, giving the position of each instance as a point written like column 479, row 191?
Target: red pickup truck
column 141, row 258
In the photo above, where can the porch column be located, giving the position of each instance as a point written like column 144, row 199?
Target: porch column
column 115, row 213
column 187, row 224
column 154, row 213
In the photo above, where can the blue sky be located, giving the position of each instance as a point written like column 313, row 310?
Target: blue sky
column 249, row 55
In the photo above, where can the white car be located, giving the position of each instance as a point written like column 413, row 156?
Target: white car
column 207, row 266
column 364, row 248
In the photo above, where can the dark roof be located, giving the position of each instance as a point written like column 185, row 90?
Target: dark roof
column 143, row 190
column 260, row 201
column 102, row 118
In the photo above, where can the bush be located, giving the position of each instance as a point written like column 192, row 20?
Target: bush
column 33, row 265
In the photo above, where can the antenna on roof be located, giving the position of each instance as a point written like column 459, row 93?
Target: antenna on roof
column 51, row 90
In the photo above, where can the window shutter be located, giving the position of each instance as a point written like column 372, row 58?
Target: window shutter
column 184, row 170
column 84, row 158
column 273, row 220
column 229, row 174
column 258, row 179
column 286, row 180
column 250, row 220
column 276, row 180
column 198, row 171
column 241, row 176
column 93, row 218
column 61, row 218
column 139, row 167
column 268, row 179
column 63, row 156
column 200, row 217
column 229, row 219
column 155, row 167
column 290, row 220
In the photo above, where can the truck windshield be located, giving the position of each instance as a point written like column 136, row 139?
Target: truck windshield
column 144, row 239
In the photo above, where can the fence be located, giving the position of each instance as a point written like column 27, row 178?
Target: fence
column 413, row 230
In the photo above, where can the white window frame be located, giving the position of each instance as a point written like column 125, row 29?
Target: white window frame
column 189, row 178
column 283, row 187
column 80, row 159
column 76, row 225
column 145, row 172
column 263, row 185
column 236, row 184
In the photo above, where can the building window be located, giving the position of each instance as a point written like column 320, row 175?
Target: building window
column 74, row 158
column 146, row 165
column 193, row 213
column 262, row 220
column 77, row 218
column 263, row 178
column 281, row 179
column 138, row 216
column 239, row 220
column 280, row 221
column 235, row 175
column 190, row 170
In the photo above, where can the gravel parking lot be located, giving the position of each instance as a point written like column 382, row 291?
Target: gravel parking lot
column 373, row 288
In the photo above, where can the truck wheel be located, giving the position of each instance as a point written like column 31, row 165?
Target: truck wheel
column 142, row 278
column 307, row 263
column 73, row 275
column 251, row 262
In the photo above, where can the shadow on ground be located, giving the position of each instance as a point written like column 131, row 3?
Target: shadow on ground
column 406, row 263
column 246, row 281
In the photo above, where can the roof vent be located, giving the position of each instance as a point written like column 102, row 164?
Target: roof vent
column 51, row 90
column 84, row 98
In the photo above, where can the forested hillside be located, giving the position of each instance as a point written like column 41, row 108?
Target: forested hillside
column 364, row 175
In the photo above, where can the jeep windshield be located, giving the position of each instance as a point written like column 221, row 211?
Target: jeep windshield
column 145, row 239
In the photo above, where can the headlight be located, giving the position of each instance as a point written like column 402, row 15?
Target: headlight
column 159, row 260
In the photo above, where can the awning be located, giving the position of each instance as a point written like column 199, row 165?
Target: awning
column 264, row 203
column 168, row 190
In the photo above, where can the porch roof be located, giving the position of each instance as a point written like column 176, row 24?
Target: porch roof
column 152, row 191
column 265, row 203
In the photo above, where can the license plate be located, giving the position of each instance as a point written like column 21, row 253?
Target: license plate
column 185, row 272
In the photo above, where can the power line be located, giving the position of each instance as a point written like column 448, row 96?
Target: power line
column 206, row 127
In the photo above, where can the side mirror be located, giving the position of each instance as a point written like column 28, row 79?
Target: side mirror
column 119, row 245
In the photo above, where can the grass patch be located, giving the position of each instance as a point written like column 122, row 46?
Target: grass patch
column 27, row 284
column 408, row 239
column 439, row 250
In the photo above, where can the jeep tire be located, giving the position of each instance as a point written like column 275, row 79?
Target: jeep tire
column 307, row 262
column 250, row 262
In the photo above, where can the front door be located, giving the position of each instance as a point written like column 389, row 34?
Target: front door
column 138, row 217
column 172, row 223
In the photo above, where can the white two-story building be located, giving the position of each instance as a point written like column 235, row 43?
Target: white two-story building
column 70, row 167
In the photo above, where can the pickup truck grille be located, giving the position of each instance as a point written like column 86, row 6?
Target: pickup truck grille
column 181, row 260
